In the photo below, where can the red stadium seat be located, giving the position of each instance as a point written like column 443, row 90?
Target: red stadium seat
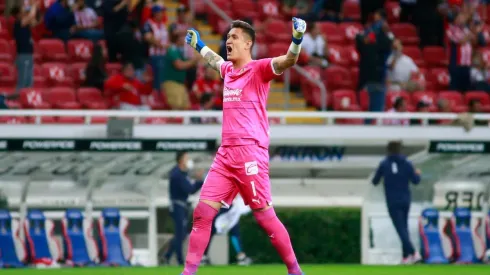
column 344, row 96
column 57, row 74
column 268, row 9
column 455, row 98
column 391, row 96
column 337, row 78
column 77, row 72
column 12, row 120
column 39, row 77
column 406, row 33
column 332, row 32
column 351, row 55
column 157, row 102
column 7, row 90
column 62, row 98
column 435, row 56
column 364, row 100
column 352, row 10
column 91, row 98
column 8, row 74
column 426, row 96
column 52, row 50
column 318, row 100
column 338, row 56
column 6, row 51
column 33, row 98
column 416, row 54
column 479, row 96
column 80, row 50
column 392, row 11
column 243, row 9
column 350, row 30
column 306, row 85
column 6, row 27
column 261, row 50
column 280, row 29
column 440, row 78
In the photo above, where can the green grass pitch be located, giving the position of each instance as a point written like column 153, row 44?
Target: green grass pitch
column 268, row 270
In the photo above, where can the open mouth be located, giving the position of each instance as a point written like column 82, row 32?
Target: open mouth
column 228, row 49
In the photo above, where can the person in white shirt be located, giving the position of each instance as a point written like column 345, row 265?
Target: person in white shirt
column 479, row 74
column 315, row 45
column 400, row 70
column 86, row 22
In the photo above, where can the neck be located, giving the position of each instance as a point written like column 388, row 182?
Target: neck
column 238, row 64
column 181, row 167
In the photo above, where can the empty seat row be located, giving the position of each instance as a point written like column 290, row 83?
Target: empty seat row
column 34, row 243
column 457, row 239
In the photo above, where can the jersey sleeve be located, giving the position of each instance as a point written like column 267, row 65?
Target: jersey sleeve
column 224, row 68
column 265, row 69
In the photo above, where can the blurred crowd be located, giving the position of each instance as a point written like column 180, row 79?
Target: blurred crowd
column 370, row 54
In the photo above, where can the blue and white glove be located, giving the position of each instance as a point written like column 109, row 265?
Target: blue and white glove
column 299, row 29
column 194, row 40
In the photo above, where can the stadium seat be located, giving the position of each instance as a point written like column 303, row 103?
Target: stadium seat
column 338, row 55
column 115, row 244
column 61, row 98
column 268, row 9
column 406, row 33
column 80, row 50
column 77, row 72
column 42, row 246
column 435, row 56
column 280, row 29
column 245, row 9
column 337, row 78
column 344, row 100
column 6, row 51
column 8, row 74
column 12, row 242
column 307, row 86
column 113, row 68
column 157, row 101
column 426, row 96
column 69, row 120
column 57, row 74
column 464, row 235
column 80, row 246
column 352, row 55
column 52, row 50
column 351, row 10
column 416, row 54
column 6, row 27
column 91, row 98
column 430, row 238
column 392, row 11
column 350, row 30
column 364, row 100
column 440, row 77
column 455, row 98
column 32, row 98
column 332, row 31
column 479, row 96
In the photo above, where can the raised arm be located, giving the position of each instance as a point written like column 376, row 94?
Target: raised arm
column 194, row 40
column 283, row 62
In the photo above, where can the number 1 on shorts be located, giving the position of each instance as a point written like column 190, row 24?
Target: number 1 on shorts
column 253, row 188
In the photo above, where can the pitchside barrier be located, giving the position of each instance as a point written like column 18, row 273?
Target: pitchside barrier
column 454, row 174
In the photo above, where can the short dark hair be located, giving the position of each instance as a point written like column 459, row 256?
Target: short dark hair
column 398, row 102
column 394, row 147
column 15, row 10
column 246, row 27
column 180, row 155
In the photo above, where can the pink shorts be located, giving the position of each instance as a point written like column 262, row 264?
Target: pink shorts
column 239, row 169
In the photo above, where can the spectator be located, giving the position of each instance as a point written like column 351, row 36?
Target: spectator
column 206, row 104
column 315, row 45
column 133, row 47
column 183, row 23
column 460, row 52
column 444, row 106
column 476, row 28
column 474, row 107
column 24, row 21
column 400, row 70
column 332, row 11
column 176, row 66
column 399, row 106
column 156, row 34
column 115, row 14
column 87, row 22
column 422, row 107
column 95, row 73
column 480, row 74
column 59, row 19
column 147, row 14
column 368, row 7
column 222, row 47
column 128, row 88
column 374, row 45
column 209, row 85
column 429, row 23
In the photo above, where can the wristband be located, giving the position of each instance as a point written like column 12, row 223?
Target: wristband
column 295, row 48
column 205, row 49
column 297, row 41
column 200, row 45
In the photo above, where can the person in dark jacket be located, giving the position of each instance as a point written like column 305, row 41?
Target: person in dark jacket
column 60, row 20
column 115, row 14
column 133, row 47
column 397, row 173
column 180, row 187
column 95, row 73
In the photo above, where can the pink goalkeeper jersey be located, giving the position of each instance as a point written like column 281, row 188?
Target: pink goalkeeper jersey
column 245, row 94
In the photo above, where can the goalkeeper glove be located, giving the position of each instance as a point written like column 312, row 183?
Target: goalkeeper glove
column 194, row 40
column 299, row 28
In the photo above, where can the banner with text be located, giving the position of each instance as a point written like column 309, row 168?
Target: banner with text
column 107, row 145
column 459, row 147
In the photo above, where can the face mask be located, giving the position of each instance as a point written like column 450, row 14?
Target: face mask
column 190, row 164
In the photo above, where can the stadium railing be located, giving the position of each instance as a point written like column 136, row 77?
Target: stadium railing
column 329, row 117
column 287, row 73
